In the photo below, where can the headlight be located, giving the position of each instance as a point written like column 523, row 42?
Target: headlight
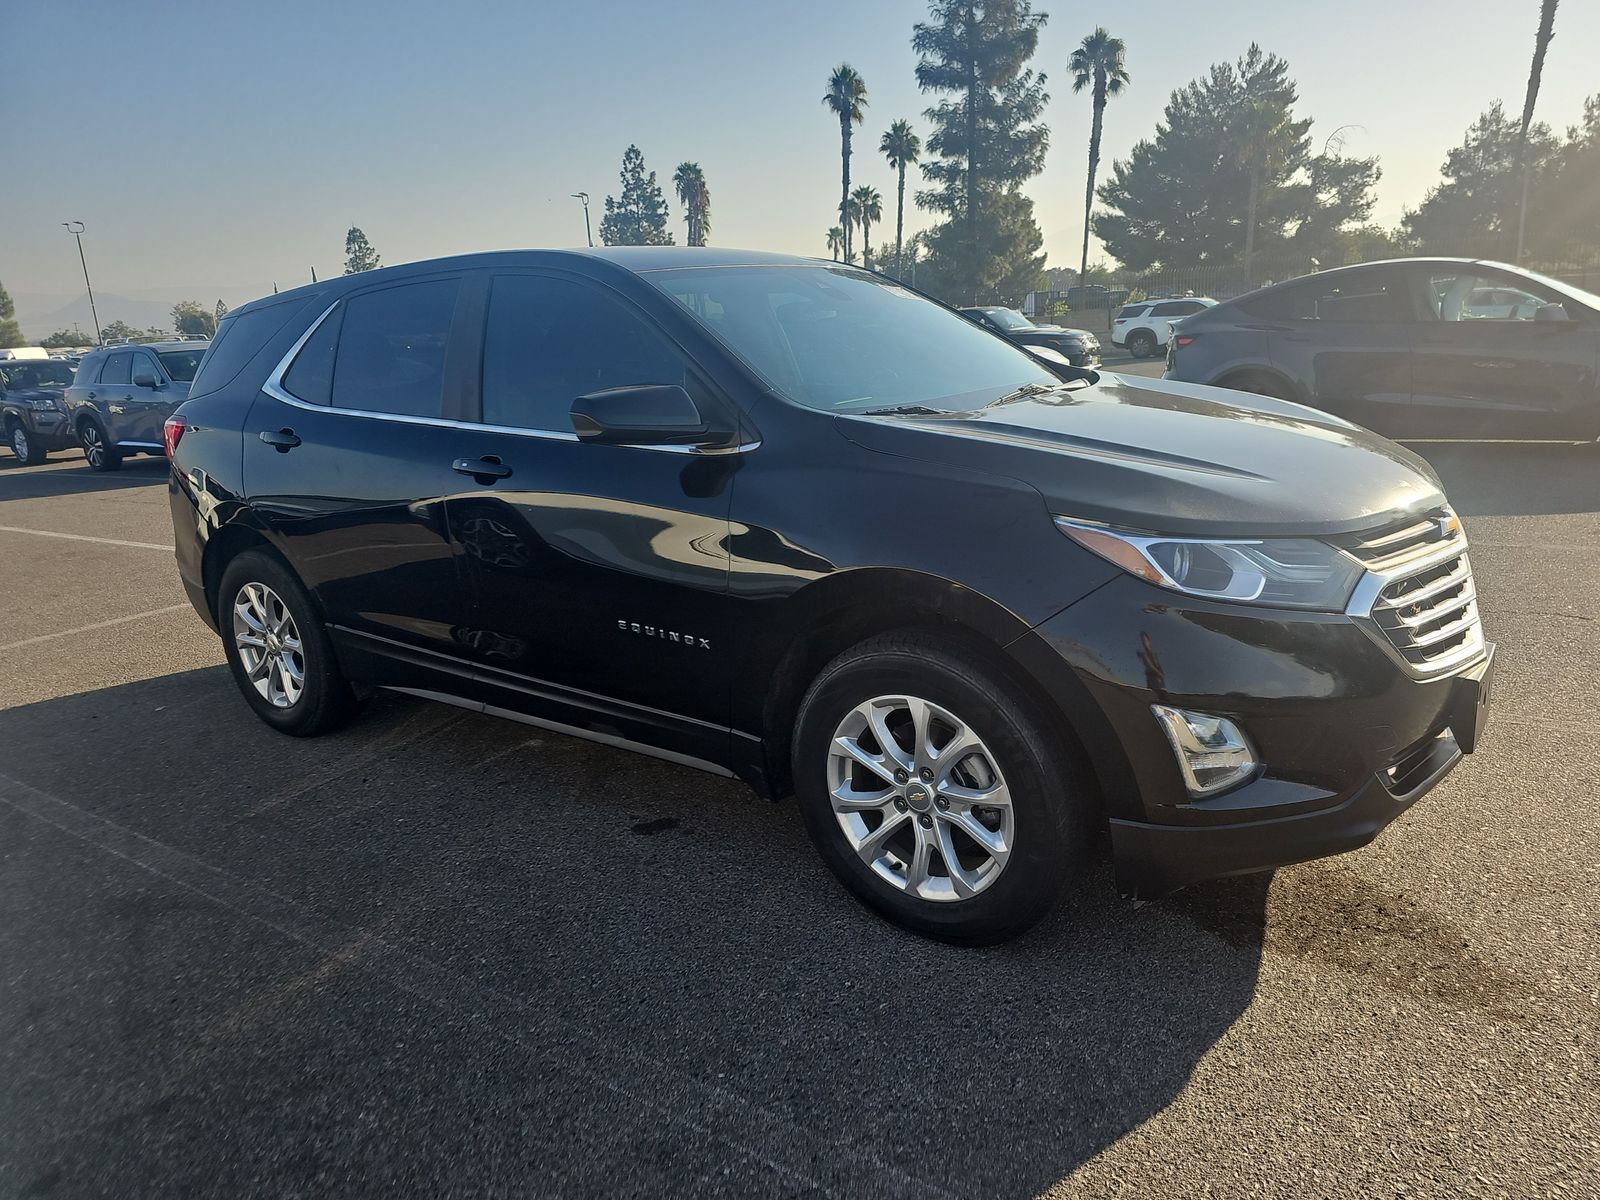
column 46, row 402
column 1284, row 572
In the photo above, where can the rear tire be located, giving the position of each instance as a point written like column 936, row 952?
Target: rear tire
column 29, row 450
column 924, row 692
column 1142, row 343
column 278, row 650
column 98, row 447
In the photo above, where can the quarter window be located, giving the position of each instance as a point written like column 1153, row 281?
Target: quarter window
column 549, row 341
column 117, row 369
column 310, row 378
column 392, row 347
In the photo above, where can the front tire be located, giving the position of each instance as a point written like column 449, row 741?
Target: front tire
column 278, row 650
column 935, row 790
column 29, row 450
column 1142, row 343
column 98, row 447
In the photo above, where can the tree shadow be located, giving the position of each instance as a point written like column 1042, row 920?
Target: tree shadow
column 670, row 930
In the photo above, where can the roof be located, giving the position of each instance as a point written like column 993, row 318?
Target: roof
column 635, row 259
column 166, row 344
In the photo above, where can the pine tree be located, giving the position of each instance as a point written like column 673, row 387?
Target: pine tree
column 358, row 253
column 10, row 331
column 986, row 135
column 220, row 312
column 639, row 218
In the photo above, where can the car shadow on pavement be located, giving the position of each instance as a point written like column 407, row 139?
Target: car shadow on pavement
column 38, row 483
column 1516, row 479
column 446, row 942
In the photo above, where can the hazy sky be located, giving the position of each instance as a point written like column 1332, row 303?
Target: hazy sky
column 218, row 147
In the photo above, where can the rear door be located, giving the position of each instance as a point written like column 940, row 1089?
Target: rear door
column 349, row 455
column 600, row 573
column 1494, row 370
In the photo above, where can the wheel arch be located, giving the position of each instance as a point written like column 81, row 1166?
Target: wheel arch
column 226, row 544
column 1234, row 372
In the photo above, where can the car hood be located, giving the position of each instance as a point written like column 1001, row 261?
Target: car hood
column 48, row 392
column 1176, row 458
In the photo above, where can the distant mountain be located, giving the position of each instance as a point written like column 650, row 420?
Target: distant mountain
column 41, row 314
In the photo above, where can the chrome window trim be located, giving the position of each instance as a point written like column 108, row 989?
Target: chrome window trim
column 274, row 388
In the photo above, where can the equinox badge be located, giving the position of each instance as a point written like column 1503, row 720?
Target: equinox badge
column 667, row 635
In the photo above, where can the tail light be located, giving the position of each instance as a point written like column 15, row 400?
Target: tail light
column 1183, row 339
column 172, row 434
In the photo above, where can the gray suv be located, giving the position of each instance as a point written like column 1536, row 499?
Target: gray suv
column 122, row 395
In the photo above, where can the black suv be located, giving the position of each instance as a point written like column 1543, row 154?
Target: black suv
column 1078, row 346
column 1414, row 348
column 122, row 396
column 788, row 520
column 32, row 409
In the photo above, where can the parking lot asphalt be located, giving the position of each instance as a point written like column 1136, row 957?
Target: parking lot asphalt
column 436, row 954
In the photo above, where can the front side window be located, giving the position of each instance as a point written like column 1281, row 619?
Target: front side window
column 1009, row 319
column 836, row 339
column 392, row 347
column 118, row 369
column 549, row 341
column 1450, row 295
column 143, row 364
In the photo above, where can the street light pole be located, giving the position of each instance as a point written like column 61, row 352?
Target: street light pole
column 587, row 232
column 75, row 228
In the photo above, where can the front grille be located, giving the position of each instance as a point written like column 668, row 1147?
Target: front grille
column 1425, row 604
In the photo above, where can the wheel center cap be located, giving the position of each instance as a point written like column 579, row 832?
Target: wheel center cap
column 272, row 642
column 919, row 798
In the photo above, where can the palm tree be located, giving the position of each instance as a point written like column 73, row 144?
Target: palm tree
column 902, row 148
column 690, row 181
column 1541, row 43
column 846, row 97
column 1096, row 62
column 866, row 206
column 835, row 242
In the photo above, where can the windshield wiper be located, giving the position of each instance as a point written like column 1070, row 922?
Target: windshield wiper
column 1024, row 392
column 905, row 410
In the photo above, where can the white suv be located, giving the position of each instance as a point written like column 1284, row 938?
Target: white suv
column 1143, row 328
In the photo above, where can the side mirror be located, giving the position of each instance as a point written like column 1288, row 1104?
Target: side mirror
column 145, row 380
column 1551, row 312
column 647, row 415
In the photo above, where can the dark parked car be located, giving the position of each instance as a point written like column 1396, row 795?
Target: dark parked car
column 1415, row 348
column 123, row 394
column 1078, row 346
column 32, row 408
column 1095, row 296
column 786, row 520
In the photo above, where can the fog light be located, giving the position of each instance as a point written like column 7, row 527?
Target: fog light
column 1213, row 753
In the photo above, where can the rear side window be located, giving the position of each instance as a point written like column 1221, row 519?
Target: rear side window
column 549, row 341
column 239, row 339
column 1339, row 299
column 310, row 378
column 391, row 349
column 118, row 369
column 1132, row 310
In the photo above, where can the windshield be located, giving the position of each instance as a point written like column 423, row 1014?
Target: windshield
column 182, row 364
column 836, row 339
column 1008, row 318
column 34, row 374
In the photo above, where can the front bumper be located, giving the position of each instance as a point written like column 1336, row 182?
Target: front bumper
column 1346, row 738
column 50, row 428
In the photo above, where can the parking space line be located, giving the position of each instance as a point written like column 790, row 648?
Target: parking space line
column 821, row 1161
column 83, row 537
column 50, row 637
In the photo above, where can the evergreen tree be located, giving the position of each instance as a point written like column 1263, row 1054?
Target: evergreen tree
column 219, row 312
column 1472, row 211
column 690, row 182
column 1235, row 129
column 639, row 218
column 358, row 253
column 10, row 331
column 1097, row 64
column 902, row 148
column 190, row 319
column 986, row 135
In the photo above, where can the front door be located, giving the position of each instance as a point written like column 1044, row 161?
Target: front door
column 600, row 573
column 1486, row 366
column 349, row 458
column 145, row 409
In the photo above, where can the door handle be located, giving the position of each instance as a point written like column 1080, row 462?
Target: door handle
column 281, row 440
column 485, row 470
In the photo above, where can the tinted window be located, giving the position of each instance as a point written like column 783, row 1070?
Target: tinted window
column 238, row 339
column 1342, row 299
column 1133, row 310
column 182, row 364
column 1465, row 296
column 310, row 378
column 391, row 349
column 118, row 368
column 34, row 374
column 144, row 364
column 549, row 341
column 833, row 338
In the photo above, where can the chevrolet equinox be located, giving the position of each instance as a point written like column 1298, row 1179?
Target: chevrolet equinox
column 789, row 521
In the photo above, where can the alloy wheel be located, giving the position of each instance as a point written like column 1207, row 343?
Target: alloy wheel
column 920, row 798
column 19, row 443
column 269, row 645
column 94, row 447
